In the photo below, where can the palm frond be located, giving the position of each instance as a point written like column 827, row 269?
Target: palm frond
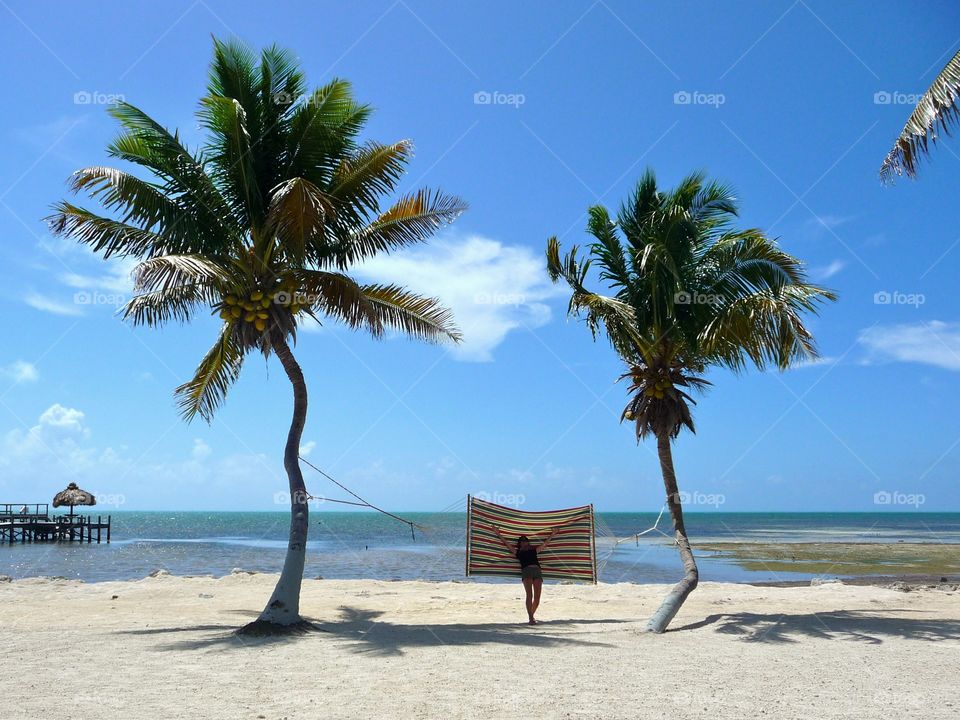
column 412, row 219
column 939, row 106
column 421, row 318
column 298, row 216
column 217, row 371
column 105, row 235
column 170, row 271
column 159, row 307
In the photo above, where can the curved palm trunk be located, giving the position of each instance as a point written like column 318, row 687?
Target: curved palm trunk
column 671, row 604
column 283, row 610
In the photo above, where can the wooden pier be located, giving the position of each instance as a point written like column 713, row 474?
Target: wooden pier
column 22, row 522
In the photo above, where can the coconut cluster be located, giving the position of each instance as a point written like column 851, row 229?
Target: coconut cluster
column 255, row 308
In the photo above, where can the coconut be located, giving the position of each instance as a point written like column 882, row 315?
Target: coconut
column 257, row 295
column 236, row 311
column 260, row 325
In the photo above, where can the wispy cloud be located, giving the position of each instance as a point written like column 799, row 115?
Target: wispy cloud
column 817, row 362
column 20, row 371
column 931, row 343
column 492, row 288
column 825, row 272
column 828, row 221
column 49, row 305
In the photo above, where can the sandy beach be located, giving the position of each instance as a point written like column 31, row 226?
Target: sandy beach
column 162, row 647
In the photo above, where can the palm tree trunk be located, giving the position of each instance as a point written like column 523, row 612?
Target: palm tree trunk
column 282, row 612
column 671, row 604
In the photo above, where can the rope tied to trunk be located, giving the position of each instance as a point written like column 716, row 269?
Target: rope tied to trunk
column 359, row 502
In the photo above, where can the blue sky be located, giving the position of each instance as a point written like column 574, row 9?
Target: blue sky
column 532, row 112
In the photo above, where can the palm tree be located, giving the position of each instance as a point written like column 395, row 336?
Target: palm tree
column 940, row 105
column 260, row 227
column 686, row 292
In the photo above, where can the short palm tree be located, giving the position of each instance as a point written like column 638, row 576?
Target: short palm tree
column 260, row 228
column 686, row 292
column 940, row 105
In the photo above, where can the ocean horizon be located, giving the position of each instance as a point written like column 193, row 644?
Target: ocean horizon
column 369, row 545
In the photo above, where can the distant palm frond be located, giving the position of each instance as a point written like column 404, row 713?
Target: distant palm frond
column 939, row 106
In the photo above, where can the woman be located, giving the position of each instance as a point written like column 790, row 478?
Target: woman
column 530, row 571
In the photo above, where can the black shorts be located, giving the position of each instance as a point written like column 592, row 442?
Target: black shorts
column 531, row 572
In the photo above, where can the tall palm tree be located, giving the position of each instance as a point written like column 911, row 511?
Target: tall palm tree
column 686, row 291
column 260, row 228
column 940, row 105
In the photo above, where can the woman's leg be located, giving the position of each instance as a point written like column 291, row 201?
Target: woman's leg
column 537, row 587
column 528, row 587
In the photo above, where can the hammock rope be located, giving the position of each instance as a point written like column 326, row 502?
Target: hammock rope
column 603, row 530
column 362, row 503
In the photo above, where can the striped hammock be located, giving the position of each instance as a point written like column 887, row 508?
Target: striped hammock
column 571, row 555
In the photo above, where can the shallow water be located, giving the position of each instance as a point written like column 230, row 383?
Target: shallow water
column 370, row 545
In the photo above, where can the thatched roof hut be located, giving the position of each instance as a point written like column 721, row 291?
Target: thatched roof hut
column 73, row 496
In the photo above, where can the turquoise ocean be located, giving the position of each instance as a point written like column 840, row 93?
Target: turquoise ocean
column 370, row 545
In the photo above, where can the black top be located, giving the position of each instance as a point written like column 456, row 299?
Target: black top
column 528, row 557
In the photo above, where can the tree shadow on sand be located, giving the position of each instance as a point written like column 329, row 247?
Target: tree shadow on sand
column 365, row 632
column 858, row 625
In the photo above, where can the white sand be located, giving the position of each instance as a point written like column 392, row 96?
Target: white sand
column 397, row 650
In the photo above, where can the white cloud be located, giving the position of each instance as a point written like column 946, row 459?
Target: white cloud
column 47, row 304
column 492, row 288
column 42, row 459
column 201, row 451
column 827, row 271
column 934, row 343
column 828, row 221
column 817, row 362
column 21, row 371
column 89, row 279
column 307, row 448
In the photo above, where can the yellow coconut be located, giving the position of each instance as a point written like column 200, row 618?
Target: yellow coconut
column 230, row 299
column 257, row 295
column 260, row 325
column 236, row 311
column 263, row 315
column 265, row 302
column 250, row 317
